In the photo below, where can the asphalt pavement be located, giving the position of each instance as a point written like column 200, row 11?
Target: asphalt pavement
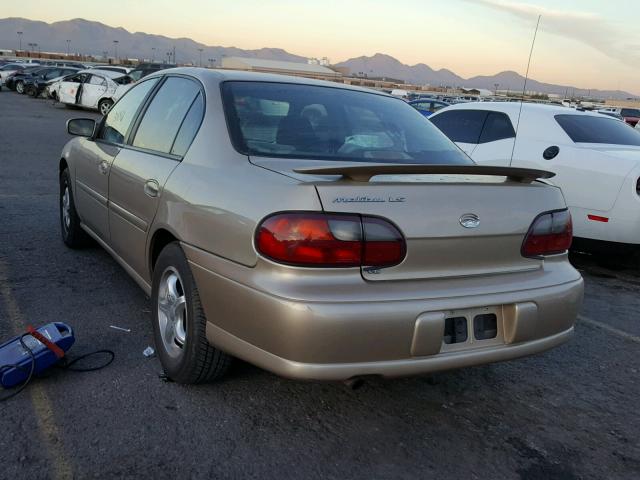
column 571, row 413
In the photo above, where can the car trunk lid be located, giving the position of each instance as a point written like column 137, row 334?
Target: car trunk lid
column 430, row 204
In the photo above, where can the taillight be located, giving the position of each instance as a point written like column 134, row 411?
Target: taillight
column 330, row 240
column 550, row 233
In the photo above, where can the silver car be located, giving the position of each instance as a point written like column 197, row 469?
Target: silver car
column 316, row 230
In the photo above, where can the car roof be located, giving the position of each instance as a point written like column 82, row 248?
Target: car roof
column 104, row 73
column 513, row 108
column 208, row 76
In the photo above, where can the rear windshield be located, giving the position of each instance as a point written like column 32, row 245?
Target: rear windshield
column 630, row 112
column 304, row 121
column 590, row 129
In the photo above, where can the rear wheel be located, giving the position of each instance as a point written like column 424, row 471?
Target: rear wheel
column 105, row 105
column 30, row 90
column 179, row 322
column 72, row 234
column 20, row 86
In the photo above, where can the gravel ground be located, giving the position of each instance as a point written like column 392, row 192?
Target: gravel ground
column 567, row 414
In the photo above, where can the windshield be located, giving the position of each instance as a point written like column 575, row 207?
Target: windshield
column 315, row 122
column 592, row 129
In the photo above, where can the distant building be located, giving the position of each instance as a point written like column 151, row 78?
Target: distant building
column 277, row 66
column 480, row 92
column 324, row 61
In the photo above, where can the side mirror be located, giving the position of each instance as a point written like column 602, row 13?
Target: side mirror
column 83, row 127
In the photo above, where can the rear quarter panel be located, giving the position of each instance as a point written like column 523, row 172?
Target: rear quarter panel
column 215, row 198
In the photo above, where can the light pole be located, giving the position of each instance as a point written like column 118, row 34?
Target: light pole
column 168, row 57
column 68, row 43
column 212, row 62
column 495, row 86
column 200, row 50
column 105, row 54
column 116, row 42
column 153, row 54
column 20, row 40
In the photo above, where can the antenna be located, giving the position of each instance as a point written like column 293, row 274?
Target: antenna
column 524, row 89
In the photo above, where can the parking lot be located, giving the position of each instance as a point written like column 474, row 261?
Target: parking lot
column 570, row 413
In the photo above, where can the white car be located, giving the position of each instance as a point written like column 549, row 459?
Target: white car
column 111, row 68
column 596, row 159
column 94, row 89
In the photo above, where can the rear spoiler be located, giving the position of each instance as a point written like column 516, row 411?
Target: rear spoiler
column 363, row 173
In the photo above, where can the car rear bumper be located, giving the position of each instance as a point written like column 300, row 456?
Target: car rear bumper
column 390, row 368
column 340, row 339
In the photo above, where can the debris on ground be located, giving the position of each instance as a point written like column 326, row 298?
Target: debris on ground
column 149, row 352
column 115, row 327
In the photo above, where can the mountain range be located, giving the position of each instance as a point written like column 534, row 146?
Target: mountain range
column 381, row 65
column 95, row 38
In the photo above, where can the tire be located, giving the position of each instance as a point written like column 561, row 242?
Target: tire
column 72, row 234
column 105, row 105
column 179, row 322
column 20, row 87
column 31, row 91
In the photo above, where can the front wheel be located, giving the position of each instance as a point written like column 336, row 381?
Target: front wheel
column 20, row 87
column 31, row 91
column 179, row 322
column 105, row 105
column 72, row 233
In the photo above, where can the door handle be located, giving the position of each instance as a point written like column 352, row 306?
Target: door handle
column 103, row 167
column 151, row 188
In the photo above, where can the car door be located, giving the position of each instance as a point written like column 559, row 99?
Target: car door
column 93, row 89
column 140, row 170
column 69, row 88
column 96, row 157
column 496, row 140
column 462, row 126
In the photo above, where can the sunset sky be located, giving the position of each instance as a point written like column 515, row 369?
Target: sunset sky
column 586, row 43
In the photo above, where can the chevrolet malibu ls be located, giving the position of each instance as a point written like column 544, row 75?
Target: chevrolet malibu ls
column 315, row 230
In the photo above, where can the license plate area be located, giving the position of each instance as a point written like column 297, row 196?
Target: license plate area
column 472, row 328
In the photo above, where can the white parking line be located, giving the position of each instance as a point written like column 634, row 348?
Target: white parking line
column 609, row 328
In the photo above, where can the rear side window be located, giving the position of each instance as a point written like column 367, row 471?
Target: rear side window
column 462, row 126
column 96, row 80
column 118, row 120
column 590, row 129
column 164, row 116
column 52, row 74
column 497, row 126
column 189, row 127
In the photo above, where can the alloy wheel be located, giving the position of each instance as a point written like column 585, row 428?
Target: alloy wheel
column 172, row 312
column 66, row 208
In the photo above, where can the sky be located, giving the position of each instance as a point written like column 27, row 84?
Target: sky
column 585, row 43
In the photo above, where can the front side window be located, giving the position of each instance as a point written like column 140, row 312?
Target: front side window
column 315, row 122
column 161, row 121
column 119, row 119
column 464, row 126
column 592, row 129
